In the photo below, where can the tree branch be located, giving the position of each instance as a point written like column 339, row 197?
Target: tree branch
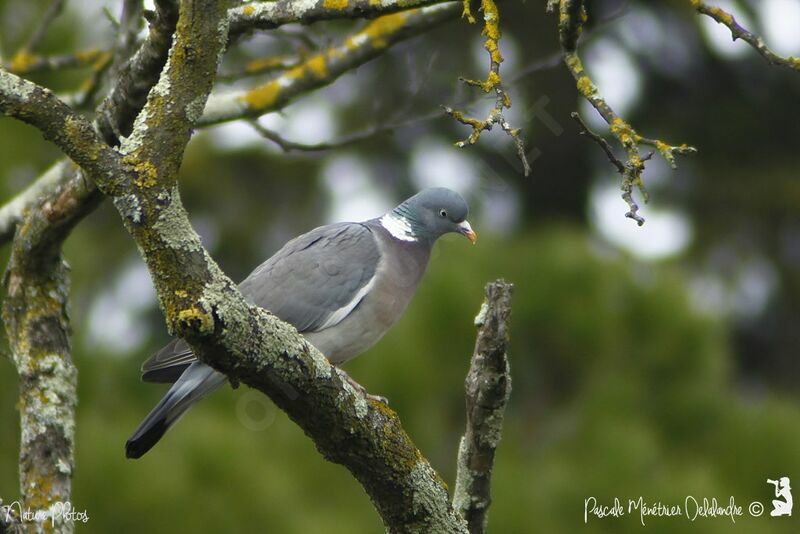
column 572, row 16
column 491, row 30
column 739, row 32
column 134, row 79
column 268, row 15
column 325, row 67
column 37, row 325
column 373, row 131
column 488, row 387
column 47, row 18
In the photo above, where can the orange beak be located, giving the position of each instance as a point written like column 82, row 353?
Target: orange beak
column 466, row 229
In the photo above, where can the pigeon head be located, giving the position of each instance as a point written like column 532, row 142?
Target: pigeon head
column 428, row 215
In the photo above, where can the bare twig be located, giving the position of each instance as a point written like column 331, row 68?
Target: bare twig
column 572, row 16
column 263, row 65
column 379, row 129
column 739, row 32
column 493, row 82
column 600, row 141
column 268, row 15
column 52, row 12
column 30, row 63
column 488, row 387
column 622, row 168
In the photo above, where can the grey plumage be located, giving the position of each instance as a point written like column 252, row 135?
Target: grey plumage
column 341, row 285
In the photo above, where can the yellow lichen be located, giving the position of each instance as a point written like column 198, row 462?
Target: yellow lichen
column 623, row 131
column 197, row 319
column 492, row 81
column 334, row 4
column 263, row 96
column 248, row 10
column 146, row 172
column 378, row 30
column 181, row 293
column 467, row 12
column 87, row 56
column 586, row 87
column 75, row 132
column 264, row 64
column 22, row 61
column 491, row 30
column 721, row 15
column 574, row 63
column 318, row 66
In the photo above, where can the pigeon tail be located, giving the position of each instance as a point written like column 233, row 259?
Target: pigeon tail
column 195, row 383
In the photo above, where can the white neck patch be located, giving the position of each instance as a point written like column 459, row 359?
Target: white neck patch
column 398, row 226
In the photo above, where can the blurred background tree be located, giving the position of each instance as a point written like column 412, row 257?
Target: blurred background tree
column 657, row 360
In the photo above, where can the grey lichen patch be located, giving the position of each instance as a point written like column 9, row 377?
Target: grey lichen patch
column 194, row 109
column 480, row 319
column 322, row 368
column 162, row 88
column 349, row 394
column 461, row 496
column 64, row 467
column 172, row 225
column 222, row 34
column 128, row 206
column 136, row 139
column 220, row 107
column 50, row 404
column 492, row 429
column 299, row 8
column 429, row 495
column 11, row 83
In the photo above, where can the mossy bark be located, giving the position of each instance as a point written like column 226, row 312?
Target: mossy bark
column 37, row 325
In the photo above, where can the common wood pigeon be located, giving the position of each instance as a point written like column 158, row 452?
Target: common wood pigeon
column 342, row 286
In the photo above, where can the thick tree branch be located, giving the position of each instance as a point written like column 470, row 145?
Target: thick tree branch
column 488, row 387
column 572, row 17
column 37, row 325
column 325, row 67
column 739, row 32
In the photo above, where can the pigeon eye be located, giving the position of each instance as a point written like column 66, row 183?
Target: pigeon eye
column 443, row 213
